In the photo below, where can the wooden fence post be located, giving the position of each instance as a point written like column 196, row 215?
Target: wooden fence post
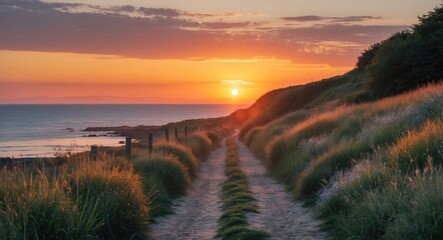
column 93, row 153
column 150, row 142
column 167, row 134
column 186, row 131
column 176, row 134
column 128, row 148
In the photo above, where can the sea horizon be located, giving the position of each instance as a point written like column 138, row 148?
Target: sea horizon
column 42, row 130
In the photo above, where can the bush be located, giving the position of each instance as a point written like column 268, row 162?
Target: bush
column 183, row 154
column 119, row 198
column 408, row 60
column 365, row 59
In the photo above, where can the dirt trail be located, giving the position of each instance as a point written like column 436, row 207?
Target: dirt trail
column 197, row 213
column 279, row 216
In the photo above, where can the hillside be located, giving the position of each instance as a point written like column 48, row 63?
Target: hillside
column 405, row 61
column 364, row 149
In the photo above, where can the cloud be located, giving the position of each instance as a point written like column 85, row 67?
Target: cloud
column 230, row 25
column 210, row 15
column 235, row 82
column 307, row 18
column 159, row 33
column 315, row 18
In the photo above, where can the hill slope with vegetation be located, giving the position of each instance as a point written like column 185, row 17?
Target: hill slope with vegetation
column 403, row 62
column 364, row 149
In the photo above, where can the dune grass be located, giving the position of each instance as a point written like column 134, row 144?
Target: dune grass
column 199, row 143
column 111, row 198
column 183, row 154
column 33, row 207
column 237, row 200
column 118, row 196
column 363, row 167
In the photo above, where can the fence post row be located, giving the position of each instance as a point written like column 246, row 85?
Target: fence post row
column 150, row 142
column 128, row 148
column 93, row 153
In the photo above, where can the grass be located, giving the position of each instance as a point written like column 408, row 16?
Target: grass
column 419, row 148
column 118, row 196
column 34, row 208
column 237, row 200
column 167, row 169
column 365, row 168
column 111, row 198
column 182, row 153
column 199, row 143
column 324, row 167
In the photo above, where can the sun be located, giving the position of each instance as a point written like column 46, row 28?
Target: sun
column 234, row 92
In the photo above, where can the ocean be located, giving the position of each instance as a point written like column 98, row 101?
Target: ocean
column 46, row 130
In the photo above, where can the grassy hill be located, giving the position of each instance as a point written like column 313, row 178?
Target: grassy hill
column 365, row 149
column 405, row 61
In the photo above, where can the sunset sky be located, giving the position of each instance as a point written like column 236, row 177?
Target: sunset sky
column 175, row 51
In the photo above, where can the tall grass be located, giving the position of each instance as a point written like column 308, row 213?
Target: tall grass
column 419, row 148
column 31, row 207
column 364, row 167
column 183, row 154
column 118, row 196
column 199, row 143
column 111, row 198
column 167, row 169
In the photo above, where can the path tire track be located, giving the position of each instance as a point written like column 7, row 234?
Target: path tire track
column 196, row 214
column 278, row 215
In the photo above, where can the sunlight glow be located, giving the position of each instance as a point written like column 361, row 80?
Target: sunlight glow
column 234, row 92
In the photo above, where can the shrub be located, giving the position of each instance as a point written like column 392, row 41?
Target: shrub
column 183, row 154
column 365, row 59
column 417, row 57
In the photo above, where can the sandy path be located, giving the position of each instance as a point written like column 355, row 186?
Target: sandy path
column 279, row 216
column 197, row 213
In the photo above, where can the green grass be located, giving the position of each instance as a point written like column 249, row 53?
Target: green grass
column 167, row 169
column 31, row 207
column 74, row 198
column 322, row 169
column 365, row 168
column 419, row 149
column 118, row 196
column 237, row 200
column 199, row 143
column 183, row 154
